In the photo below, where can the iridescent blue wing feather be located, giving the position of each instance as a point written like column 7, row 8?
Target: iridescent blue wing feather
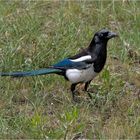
column 68, row 64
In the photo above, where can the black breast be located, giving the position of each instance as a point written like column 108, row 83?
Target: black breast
column 100, row 61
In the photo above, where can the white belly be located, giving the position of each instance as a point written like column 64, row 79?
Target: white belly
column 77, row 76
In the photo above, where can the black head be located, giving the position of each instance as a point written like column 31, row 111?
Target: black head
column 104, row 35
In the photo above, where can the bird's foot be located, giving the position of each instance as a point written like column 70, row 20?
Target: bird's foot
column 76, row 100
column 90, row 96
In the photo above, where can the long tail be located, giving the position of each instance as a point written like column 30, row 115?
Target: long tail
column 31, row 73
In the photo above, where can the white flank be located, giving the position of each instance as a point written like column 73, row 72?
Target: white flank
column 87, row 57
column 77, row 76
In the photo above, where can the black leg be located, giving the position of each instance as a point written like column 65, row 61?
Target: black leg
column 73, row 91
column 86, row 87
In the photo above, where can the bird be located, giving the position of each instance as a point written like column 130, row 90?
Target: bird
column 80, row 68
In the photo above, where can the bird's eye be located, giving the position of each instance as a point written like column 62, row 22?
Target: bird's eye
column 101, row 35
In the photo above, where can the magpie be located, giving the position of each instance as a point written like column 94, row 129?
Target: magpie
column 80, row 68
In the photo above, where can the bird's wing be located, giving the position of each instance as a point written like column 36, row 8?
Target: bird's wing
column 79, row 63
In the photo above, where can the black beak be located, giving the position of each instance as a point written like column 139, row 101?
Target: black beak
column 111, row 35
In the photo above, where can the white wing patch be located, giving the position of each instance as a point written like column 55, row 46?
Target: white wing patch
column 77, row 76
column 87, row 57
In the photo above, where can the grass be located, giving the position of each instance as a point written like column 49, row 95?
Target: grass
column 37, row 34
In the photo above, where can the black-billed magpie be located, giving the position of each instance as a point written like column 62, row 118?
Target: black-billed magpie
column 80, row 68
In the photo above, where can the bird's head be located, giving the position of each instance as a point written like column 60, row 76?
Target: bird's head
column 104, row 35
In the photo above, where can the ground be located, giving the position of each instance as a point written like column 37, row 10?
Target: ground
column 37, row 34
